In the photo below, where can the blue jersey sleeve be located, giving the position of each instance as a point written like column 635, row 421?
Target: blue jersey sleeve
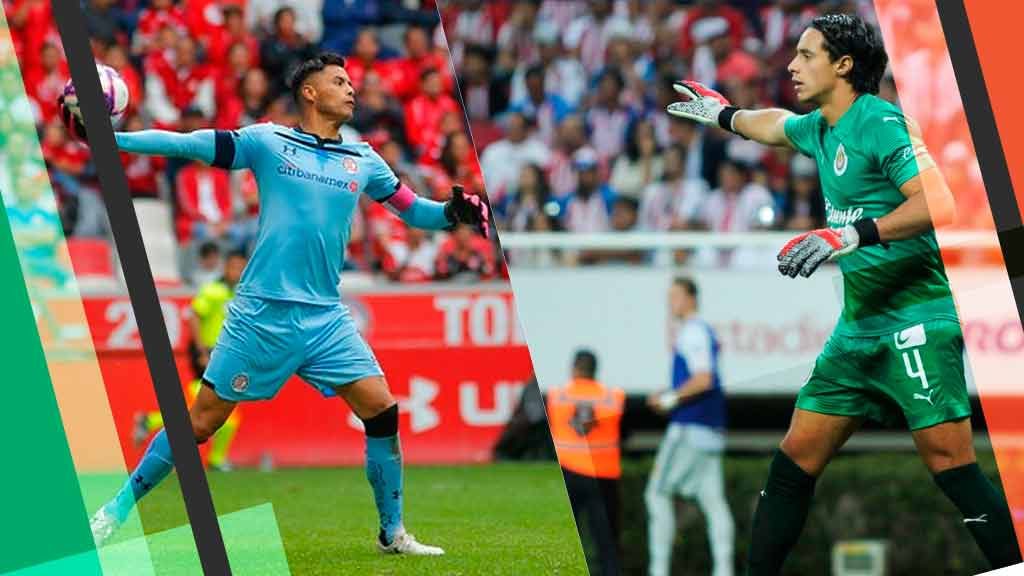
column 382, row 181
column 228, row 149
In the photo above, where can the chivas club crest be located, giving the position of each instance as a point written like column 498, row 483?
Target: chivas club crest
column 839, row 166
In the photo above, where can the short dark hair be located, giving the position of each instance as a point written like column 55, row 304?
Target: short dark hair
column 280, row 12
column 585, row 363
column 309, row 67
column 686, row 283
column 237, row 254
column 208, row 248
column 848, row 35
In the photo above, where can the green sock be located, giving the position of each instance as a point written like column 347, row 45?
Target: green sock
column 986, row 514
column 780, row 516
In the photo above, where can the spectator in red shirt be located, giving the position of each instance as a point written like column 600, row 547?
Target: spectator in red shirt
column 170, row 88
column 223, row 39
column 424, row 112
column 229, row 87
column 60, row 152
column 364, row 60
column 45, row 83
column 404, row 73
column 412, row 259
column 27, row 19
column 709, row 13
column 205, row 17
column 457, row 165
column 204, row 210
column 159, row 14
column 465, row 256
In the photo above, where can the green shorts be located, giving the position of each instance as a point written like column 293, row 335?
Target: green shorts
column 918, row 371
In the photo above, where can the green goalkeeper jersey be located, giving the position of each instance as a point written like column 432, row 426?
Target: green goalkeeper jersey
column 862, row 162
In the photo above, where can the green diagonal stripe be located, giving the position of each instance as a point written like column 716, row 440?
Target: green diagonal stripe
column 43, row 512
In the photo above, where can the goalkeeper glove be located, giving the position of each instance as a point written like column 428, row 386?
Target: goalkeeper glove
column 805, row 253
column 468, row 209
column 71, row 116
column 704, row 105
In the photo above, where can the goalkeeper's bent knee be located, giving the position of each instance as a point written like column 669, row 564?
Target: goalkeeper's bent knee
column 383, row 425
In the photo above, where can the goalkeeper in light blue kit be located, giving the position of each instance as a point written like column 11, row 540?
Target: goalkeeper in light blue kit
column 287, row 317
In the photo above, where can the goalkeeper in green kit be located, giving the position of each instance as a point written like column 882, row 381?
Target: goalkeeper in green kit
column 897, row 347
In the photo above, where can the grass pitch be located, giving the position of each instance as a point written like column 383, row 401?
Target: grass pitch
column 490, row 519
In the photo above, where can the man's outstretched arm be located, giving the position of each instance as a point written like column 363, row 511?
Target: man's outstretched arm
column 710, row 108
column 214, row 147
column 425, row 213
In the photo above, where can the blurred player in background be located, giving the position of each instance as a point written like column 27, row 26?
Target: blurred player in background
column 689, row 460
column 287, row 316
column 209, row 309
column 585, row 418
column 898, row 347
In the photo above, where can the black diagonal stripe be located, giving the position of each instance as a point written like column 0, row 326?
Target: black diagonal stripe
column 987, row 145
column 980, row 118
column 142, row 291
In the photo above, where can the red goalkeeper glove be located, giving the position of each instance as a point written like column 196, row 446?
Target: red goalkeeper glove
column 805, row 253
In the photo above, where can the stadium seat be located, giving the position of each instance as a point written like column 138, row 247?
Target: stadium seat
column 93, row 261
column 158, row 236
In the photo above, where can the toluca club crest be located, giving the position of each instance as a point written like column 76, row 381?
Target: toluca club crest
column 240, row 382
column 350, row 165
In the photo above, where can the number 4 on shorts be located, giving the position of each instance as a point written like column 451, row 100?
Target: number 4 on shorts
column 910, row 340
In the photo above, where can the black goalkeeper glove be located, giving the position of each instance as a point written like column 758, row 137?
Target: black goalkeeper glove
column 71, row 117
column 468, row 209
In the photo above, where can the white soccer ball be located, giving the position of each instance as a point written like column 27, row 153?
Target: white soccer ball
column 115, row 94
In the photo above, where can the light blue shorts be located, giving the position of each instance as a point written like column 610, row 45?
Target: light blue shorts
column 263, row 342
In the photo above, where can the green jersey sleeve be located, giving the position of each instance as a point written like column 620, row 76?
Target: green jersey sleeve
column 803, row 131
column 899, row 149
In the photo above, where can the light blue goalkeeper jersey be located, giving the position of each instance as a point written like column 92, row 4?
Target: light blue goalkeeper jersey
column 308, row 191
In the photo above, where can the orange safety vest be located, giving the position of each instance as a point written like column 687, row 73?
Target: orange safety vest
column 584, row 417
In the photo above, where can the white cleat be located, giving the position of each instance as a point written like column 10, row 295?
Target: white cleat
column 405, row 543
column 103, row 526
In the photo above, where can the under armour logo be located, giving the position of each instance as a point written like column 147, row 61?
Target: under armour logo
column 290, row 150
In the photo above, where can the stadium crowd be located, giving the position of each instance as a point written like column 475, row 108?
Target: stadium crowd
column 566, row 102
column 192, row 64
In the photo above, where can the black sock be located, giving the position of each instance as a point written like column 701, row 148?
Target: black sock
column 780, row 516
column 986, row 514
